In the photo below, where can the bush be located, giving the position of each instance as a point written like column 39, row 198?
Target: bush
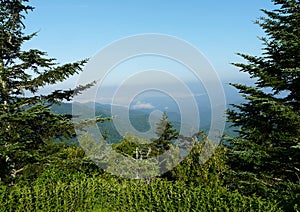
column 56, row 191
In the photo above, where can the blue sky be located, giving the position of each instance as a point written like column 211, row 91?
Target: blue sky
column 71, row 30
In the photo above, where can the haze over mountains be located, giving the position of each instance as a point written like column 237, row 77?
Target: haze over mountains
column 146, row 110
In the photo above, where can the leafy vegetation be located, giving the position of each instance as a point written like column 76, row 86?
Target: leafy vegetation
column 270, row 119
column 265, row 158
column 257, row 170
column 29, row 130
column 57, row 191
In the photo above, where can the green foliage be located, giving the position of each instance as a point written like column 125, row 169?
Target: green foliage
column 270, row 118
column 287, row 194
column 166, row 134
column 141, row 158
column 56, row 176
column 115, row 160
column 205, row 165
column 57, row 191
column 265, row 158
column 137, row 161
column 29, row 130
column 133, row 146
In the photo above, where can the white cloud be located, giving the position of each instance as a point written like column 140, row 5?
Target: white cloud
column 200, row 94
column 142, row 105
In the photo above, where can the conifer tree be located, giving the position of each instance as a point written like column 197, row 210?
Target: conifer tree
column 166, row 133
column 269, row 119
column 28, row 128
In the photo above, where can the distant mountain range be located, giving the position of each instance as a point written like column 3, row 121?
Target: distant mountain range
column 143, row 109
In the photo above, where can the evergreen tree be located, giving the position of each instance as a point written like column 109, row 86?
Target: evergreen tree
column 138, row 148
column 269, row 120
column 28, row 128
column 166, row 133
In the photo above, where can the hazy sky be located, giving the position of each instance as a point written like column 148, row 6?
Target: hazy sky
column 71, row 30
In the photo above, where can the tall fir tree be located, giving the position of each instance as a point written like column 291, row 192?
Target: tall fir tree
column 166, row 134
column 28, row 128
column 269, row 119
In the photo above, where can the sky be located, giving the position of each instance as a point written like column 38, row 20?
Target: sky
column 71, row 30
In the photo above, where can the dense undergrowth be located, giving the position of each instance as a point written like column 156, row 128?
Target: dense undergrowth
column 56, row 191
column 73, row 183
